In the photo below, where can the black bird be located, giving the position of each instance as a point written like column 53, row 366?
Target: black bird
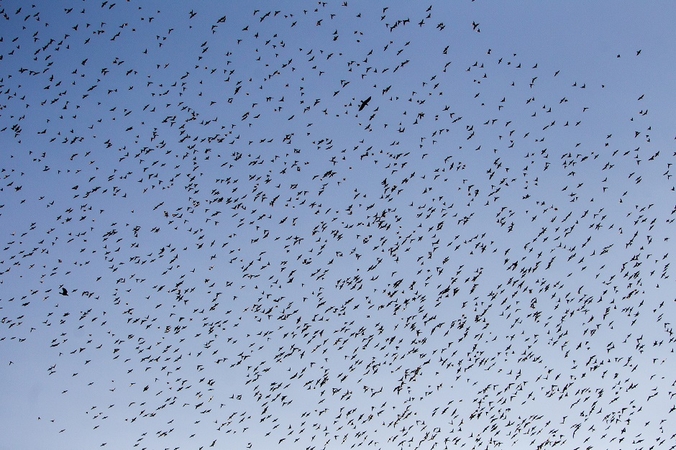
column 364, row 103
column 64, row 291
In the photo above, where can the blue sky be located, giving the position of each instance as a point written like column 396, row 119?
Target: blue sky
column 207, row 241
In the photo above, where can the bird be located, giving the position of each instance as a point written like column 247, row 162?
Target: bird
column 364, row 102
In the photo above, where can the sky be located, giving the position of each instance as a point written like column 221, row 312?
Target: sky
column 322, row 225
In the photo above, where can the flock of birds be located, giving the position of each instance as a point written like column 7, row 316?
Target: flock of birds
column 325, row 225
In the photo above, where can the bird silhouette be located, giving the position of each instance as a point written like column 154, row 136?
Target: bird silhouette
column 364, row 103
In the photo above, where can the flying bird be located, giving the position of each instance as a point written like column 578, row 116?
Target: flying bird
column 363, row 103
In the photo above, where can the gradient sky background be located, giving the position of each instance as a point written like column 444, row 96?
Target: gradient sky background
column 478, row 257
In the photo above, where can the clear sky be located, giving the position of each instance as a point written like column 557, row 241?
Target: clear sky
column 309, row 225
